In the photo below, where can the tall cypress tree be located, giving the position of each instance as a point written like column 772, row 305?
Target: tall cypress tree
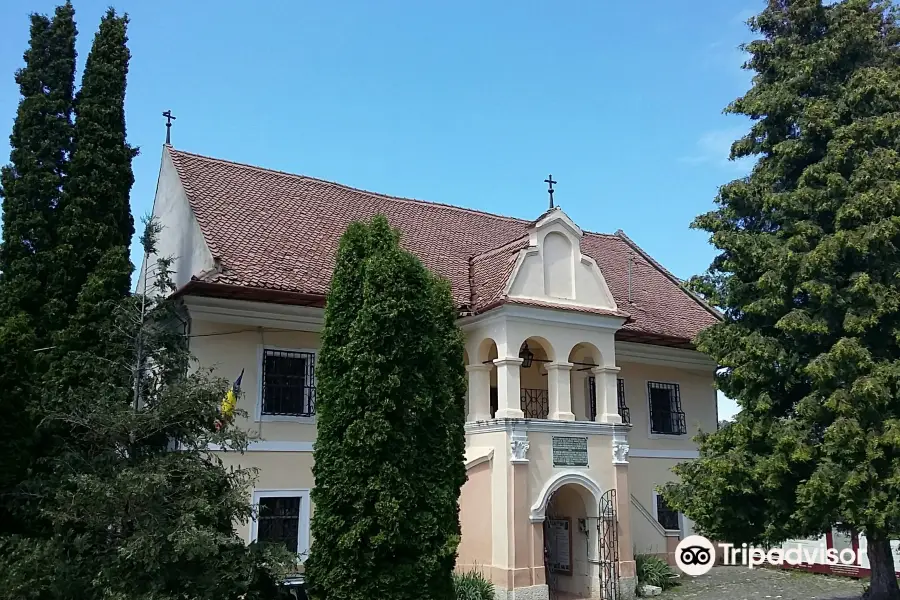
column 95, row 221
column 95, row 216
column 389, row 451
column 808, row 278
column 30, row 187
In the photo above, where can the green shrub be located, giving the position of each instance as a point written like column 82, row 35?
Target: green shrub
column 472, row 585
column 652, row 570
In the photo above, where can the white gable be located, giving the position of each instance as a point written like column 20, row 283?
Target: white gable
column 553, row 269
column 180, row 238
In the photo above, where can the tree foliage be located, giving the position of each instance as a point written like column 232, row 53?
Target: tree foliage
column 94, row 214
column 30, row 188
column 807, row 276
column 104, row 496
column 135, row 504
column 389, row 452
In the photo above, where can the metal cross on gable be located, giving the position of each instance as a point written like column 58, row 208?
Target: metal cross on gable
column 169, row 119
column 550, row 182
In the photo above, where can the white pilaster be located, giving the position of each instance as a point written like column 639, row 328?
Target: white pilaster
column 479, row 392
column 559, row 389
column 607, row 392
column 509, row 403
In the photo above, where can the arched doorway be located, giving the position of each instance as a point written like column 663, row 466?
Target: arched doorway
column 580, row 538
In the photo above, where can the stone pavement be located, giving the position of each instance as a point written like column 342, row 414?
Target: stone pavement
column 741, row 583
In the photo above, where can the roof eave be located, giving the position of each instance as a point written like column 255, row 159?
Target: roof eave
column 242, row 292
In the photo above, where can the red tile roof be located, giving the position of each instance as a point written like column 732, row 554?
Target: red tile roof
column 279, row 232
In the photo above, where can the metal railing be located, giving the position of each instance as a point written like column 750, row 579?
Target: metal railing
column 535, row 403
column 624, row 411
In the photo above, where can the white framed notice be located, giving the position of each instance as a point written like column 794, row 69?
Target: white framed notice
column 559, row 545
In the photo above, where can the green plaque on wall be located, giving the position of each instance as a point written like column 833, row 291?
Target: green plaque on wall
column 570, row 451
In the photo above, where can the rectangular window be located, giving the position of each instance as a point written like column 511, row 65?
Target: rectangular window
column 666, row 416
column 288, row 383
column 667, row 517
column 282, row 517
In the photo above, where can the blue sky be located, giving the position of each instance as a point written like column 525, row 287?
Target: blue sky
column 468, row 103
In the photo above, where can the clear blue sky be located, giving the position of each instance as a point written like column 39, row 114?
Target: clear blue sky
column 468, row 103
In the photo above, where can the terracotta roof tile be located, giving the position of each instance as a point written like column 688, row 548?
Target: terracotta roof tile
column 279, row 231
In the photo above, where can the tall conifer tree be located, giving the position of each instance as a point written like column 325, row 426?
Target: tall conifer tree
column 95, row 221
column 95, row 217
column 807, row 275
column 30, row 187
column 389, row 452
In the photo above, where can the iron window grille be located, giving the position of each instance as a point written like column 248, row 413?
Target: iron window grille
column 666, row 416
column 535, row 403
column 624, row 411
column 278, row 521
column 289, row 383
column 666, row 517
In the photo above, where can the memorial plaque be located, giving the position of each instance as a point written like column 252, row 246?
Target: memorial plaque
column 570, row 452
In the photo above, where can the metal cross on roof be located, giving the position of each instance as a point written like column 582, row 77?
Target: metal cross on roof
column 550, row 182
column 169, row 119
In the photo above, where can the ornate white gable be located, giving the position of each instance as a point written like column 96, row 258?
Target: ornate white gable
column 552, row 269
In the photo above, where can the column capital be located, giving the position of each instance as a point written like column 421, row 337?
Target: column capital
column 509, row 361
column 558, row 366
column 602, row 370
column 479, row 367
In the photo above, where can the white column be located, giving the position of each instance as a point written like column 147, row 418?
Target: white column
column 479, row 392
column 607, row 394
column 559, row 389
column 509, row 402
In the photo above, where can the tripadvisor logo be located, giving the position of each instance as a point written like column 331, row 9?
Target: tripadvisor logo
column 696, row 555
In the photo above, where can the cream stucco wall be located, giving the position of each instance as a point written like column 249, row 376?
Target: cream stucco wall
column 698, row 401
column 275, row 471
column 503, row 538
column 540, row 457
column 645, row 474
column 228, row 348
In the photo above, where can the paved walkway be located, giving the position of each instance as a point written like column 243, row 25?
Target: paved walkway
column 740, row 583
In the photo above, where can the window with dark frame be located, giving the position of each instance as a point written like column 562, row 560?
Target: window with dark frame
column 667, row 517
column 666, row 416
column 288, row 383
column 278, row 521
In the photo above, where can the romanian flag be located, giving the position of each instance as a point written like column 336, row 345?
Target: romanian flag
column 229, row 402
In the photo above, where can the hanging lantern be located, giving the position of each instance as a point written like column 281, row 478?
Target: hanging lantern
column 526, row 355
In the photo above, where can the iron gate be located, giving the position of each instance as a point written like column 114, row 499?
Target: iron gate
column 608, row 546
column 551, row 576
